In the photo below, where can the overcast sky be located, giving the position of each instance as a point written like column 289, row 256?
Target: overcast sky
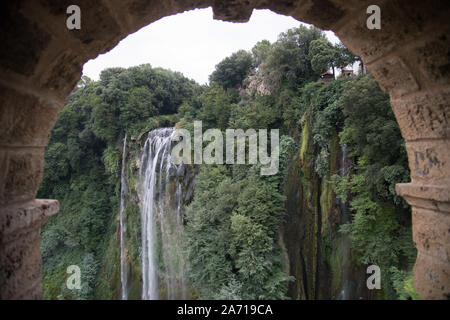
column 192, row 42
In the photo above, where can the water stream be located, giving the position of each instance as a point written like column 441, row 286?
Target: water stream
column 346, row 283
column 123, row 227
column 162, row 259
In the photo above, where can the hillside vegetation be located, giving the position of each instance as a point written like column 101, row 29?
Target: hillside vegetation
column 246, row 236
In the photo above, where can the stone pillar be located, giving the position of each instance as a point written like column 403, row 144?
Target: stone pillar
column 409, row 57
column 26, row 119
column 424, row 122
column 431, row 234
column 20, row 255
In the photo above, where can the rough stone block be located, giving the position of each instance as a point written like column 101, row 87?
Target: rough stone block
column 22, row 174
column 394, row 76
column 25, row 120
column 20, row 265
column 431, row 277
column 431, row 233
column 396, row 28
column 22, row 40
column 433, row 58
column 62, row 74
column 20, row 255
column 322, row 14
column 424, row 116
column 232, row 10
column 97, row 25
column 429, row 161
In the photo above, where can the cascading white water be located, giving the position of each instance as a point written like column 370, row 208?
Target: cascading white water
column 158, row 210
column 123, row 257
column 343, row 168
column 346, row 286
column 179, row 214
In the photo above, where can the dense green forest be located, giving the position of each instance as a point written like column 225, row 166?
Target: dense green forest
column 237, row 238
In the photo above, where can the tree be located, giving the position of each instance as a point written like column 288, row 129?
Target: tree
column 139, row 106
column 127, row 98
column 216, row 104
column 261, row 51
column 344, row 56
column 231, row 71
column 380, row 227
column 323, row 55
column 208, row 230
column 289, row 59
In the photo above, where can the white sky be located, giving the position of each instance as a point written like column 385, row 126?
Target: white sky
column 192, row 42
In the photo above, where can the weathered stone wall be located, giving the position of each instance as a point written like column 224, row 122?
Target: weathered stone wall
column 41, row 62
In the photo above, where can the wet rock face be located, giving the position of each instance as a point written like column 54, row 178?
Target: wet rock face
column 41, row 62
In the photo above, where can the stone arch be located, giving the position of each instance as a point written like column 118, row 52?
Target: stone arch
column 41, row 62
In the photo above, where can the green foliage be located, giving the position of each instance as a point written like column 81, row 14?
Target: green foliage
column 231, row 291
column 344, row 56
column 57, row 163
column 232, row 226
column 380, row 229
column 208, row 229
column 231, row 71
column 325, row 56
column 83, row 165
column 322, row 54
column 376, row 230
column 256, row 114
column 127, row 98
column 372, row 131
column 261, row 51
column 215, row 106
column 111, row 159
column 403, row 284
column 139, row 106
column 326, row 116
column 289, row 106
column 289, row 59
column 232, row 234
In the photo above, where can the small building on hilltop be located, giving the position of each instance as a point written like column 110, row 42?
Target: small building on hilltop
column 347, row 73
column 326, row 77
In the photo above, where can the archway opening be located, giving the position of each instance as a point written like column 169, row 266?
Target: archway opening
column 39, row 80
column 133, row 101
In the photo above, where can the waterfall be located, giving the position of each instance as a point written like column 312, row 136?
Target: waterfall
column 343, row 173
column 343, row 160
column 160, row 219
column 347, row 283
column 123, row 228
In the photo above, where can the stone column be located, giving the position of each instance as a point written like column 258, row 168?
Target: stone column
column 409, row 57
column 20, row 255
column 424, row 121
column 25, row 123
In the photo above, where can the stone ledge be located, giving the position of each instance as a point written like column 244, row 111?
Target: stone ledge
column 15, row 220
column 429, row 197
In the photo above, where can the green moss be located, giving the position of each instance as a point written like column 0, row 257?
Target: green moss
column 305, row 135
column 135, row 284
